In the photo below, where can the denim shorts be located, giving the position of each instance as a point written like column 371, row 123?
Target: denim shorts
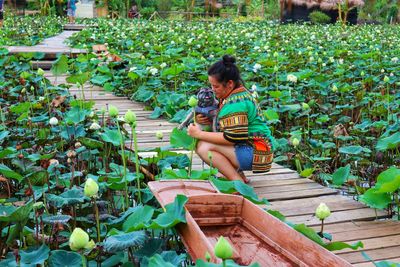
column 71, row 12
column 244, row 155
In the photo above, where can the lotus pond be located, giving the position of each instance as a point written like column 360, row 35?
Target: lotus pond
column 330, row 94
column 28, row 30
column 73, row 195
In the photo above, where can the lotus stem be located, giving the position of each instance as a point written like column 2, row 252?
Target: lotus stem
column 124, row 163
column 136, row 162
column 96, row 210
column 322, row 227
column 193, row 144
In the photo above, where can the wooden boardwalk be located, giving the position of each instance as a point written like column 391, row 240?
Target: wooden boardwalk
column 293, row 196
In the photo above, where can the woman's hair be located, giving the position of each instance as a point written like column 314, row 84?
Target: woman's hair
column 225, row 70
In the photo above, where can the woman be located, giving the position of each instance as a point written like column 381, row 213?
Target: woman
column 243, row 140
column 71, row 10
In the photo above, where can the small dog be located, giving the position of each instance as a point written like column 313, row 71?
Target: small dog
column 207, row 105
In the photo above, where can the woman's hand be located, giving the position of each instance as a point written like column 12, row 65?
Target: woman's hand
column 200, row 118
column 194, row 131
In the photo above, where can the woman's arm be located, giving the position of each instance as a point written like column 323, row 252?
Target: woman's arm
column 211, row 137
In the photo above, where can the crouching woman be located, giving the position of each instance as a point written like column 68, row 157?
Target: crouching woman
column 243, row 140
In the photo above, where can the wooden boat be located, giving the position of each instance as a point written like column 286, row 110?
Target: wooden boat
column 255, row 235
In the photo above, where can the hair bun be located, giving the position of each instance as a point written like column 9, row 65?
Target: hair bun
column 228, row 60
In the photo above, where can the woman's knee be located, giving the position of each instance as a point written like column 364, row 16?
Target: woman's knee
column 203, row 147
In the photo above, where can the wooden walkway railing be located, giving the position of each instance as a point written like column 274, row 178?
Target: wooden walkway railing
column 293, row 196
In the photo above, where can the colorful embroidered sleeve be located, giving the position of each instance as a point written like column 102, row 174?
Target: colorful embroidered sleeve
column 234, row 120
column 235, row 127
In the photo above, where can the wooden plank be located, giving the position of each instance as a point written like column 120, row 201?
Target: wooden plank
column 298, row 194
column 376, row 243
column 287, row 188
column 368, row 233
column 363, row 214
column 298, row 207
column 370, row 264
column 356, row 226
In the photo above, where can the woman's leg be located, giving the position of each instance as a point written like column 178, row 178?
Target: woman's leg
column 223, row 158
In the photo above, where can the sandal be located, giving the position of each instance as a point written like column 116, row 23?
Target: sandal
column 243, row 176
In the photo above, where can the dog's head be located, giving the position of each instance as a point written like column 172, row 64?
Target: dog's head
column 206, row 97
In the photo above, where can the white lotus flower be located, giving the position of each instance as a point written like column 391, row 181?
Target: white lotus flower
column 146, row 45
column 153, row 71
column 395, row 59
column 254, row 87
column 291, row 78
column 163, row 65
column 94, row 126
column 53, row 121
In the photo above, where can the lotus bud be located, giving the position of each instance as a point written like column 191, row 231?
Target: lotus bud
column 113, row 111
column 276, row 54
column 305, row 106
column 295, row 142
column 78, row 144
column 53, row 121
column 40, row 72
column 193, row 101
column 276, row 68
column 91, row 188
column 322, row 212
column 90, row 245
column 210, row 155
column 130, row 117
column 54, row 162
column 334, row 88
column 159, row 135
column 223, row 249
column 78, row 239
column 386, row 79
column 362, row 73
column 23, row 91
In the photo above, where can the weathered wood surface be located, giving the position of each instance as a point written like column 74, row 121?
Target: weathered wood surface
column 293, row 196
column 51, row 47
column 77, row 27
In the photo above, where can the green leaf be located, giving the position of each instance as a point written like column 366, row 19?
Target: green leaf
column 390, row 142
column 76, row 115
column 91, row 143
column 123, row 241
column 375, row 200
column 20, row 108
column 174, row 214
column 80, row 78
column 60, row 66
column 307, row 172
column 271, row 114
column 340, row 175
column 388, row 181
column 180, row 139
column 341, row 245
column 157, row 261
column 111, row 136
column 3, row 135
column 245, row 190
column 72, row 196
column 8, row 173
column 33, row 257
column 99, row 79
column 138, row 219
column 310, row 233
column 65, row 259
column 352, row 150
column 60, row 218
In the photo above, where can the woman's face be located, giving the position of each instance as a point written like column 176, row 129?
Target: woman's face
column 219, row 88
